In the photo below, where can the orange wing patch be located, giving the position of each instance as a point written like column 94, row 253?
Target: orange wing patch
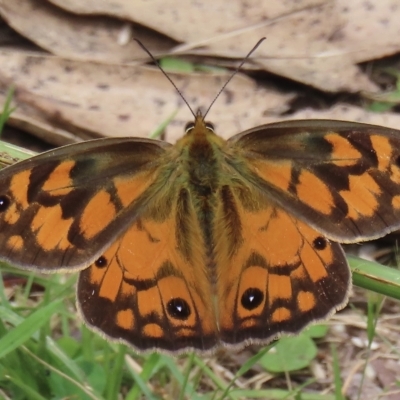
column 18, row 185
column 60, row 183
column 313, row 190
column 90, row 224
column 43, row 224
column 343, row 152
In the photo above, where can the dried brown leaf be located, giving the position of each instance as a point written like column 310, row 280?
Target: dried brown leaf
column 351, row 113
column 78, row 37
column 92, row 99
column 315, row 42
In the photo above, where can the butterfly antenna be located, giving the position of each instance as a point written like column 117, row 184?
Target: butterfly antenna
column 165, row 74
column 234, row 73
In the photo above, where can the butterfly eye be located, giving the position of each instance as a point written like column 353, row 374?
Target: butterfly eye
column 189, row 126
column 4, row 203
column 252, row 298
column 101, row 262
column 319, row 243
column 210, row 126
column 178, row 308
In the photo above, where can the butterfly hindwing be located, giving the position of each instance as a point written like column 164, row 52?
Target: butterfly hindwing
column 276, row 273
column 151, row 288
column 59, row 209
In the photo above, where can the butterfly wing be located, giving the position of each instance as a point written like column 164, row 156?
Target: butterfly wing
column 50, row 204
column 276, row 273
column 150, row 289
column 296, row 188
column 343, row 178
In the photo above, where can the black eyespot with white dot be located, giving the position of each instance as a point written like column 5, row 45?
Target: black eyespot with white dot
column 101, row 262
column 252, row 298
column 4, row 203
column 178, row 308
column 320, row 243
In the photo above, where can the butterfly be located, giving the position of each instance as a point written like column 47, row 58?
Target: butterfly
column 207, row 242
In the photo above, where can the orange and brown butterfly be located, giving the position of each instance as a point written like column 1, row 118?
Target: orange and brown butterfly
column 208, row 241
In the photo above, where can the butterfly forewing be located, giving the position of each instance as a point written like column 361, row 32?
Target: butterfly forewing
column 61, row 208
column 343, row 178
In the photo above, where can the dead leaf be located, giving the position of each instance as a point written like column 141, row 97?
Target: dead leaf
column 78, row 37
column 92, row 100
column 316, row 42
column 189, row 21
column 350, row 113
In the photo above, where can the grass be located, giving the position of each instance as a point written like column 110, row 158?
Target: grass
column 46, row 353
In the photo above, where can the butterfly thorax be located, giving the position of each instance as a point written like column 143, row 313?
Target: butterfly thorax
column 200, row 150
column 200, row 158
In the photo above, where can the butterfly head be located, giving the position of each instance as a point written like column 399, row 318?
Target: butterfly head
column 199, row 127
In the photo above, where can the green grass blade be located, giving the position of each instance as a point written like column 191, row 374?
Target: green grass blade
column 7, row 109
column 114, row 380
column 25, row 388
column 336, row 373
column 10, row 154
column 23, row 332
column 160, row 129
column 376, row 277
column 150, row 365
